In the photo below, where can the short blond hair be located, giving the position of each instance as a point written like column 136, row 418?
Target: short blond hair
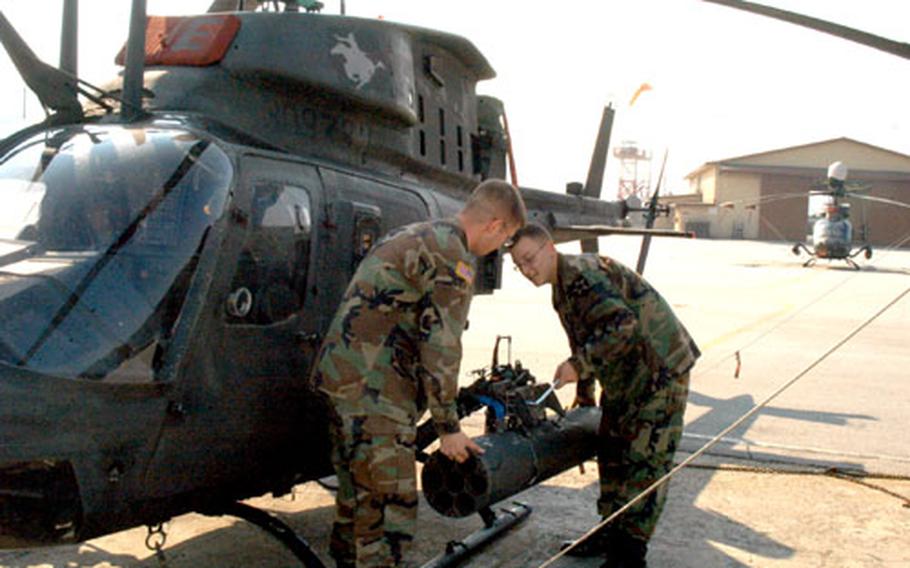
column 499, row 199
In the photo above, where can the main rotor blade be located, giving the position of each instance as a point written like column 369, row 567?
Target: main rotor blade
column 897, row 48
column 568, row 233
column 768, row 199
column 881, row 200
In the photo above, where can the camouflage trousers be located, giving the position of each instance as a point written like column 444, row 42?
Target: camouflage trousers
column 376, row 503
column 636, row 444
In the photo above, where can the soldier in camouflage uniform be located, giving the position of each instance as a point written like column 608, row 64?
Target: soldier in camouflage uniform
column 392, row 350
column 624, row 335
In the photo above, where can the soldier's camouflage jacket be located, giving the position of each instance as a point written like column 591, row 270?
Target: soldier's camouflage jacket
column 617, row 323
column 394, row 346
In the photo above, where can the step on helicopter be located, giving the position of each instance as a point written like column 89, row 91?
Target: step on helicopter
column 174, row 244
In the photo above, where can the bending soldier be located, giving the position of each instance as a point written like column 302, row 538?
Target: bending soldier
column 392, row 350
column 624, row 335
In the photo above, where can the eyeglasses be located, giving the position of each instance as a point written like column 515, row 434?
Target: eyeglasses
column 521, row 265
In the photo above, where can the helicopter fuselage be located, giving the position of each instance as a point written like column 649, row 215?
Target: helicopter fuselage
column 832, row 238
column 165, row 281
column 155, row 353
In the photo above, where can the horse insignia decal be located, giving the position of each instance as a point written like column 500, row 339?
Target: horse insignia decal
column 357, row 66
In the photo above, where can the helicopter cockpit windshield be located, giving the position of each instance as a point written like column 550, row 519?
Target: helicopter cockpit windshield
column 100, row 231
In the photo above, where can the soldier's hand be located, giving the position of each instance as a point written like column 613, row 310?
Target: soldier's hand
column 458, row 446
column 565, row 374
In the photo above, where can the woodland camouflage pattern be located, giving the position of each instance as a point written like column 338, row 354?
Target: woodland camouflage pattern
column 392, row 350
column 624, row 335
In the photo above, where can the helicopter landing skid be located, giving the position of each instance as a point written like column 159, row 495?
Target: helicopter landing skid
column 272, row 525
column 800, row 246
column 863, row 249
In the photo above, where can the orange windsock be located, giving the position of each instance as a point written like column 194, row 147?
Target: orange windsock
column 641, row 89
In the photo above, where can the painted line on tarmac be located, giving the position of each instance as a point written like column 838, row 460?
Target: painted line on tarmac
column 751, row 326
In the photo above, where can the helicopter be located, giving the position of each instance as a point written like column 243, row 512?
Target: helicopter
column 832, row 232
column 174, row 247
column 832, row 235
column 175, row 244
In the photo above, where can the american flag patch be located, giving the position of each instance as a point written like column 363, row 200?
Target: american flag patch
column 466, row 271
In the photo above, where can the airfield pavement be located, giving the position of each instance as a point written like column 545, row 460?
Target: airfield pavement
column 773, row 492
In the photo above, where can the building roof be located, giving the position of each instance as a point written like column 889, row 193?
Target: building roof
column 685, row 198
column 736, row 162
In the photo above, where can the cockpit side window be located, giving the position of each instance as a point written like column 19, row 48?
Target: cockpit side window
column 269, row 285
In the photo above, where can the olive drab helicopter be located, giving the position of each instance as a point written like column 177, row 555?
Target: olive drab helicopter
column 174, row 245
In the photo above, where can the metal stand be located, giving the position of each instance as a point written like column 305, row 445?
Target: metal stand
column 272, row 525
column 494, row 525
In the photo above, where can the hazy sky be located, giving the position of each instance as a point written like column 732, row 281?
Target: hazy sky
column 725, row 83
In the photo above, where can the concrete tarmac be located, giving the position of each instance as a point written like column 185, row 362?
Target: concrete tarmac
column 820, row 476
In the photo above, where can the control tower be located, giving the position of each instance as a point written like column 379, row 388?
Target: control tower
column 634, row 171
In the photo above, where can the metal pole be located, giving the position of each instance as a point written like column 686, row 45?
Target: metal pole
column 69, row 37
column 135, row 63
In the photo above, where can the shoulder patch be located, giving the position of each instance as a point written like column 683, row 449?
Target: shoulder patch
column 465, row 271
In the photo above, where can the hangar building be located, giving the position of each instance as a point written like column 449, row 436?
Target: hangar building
column 733, row 198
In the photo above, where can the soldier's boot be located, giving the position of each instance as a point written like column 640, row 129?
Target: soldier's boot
column 626, row 551
column 595, row 545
